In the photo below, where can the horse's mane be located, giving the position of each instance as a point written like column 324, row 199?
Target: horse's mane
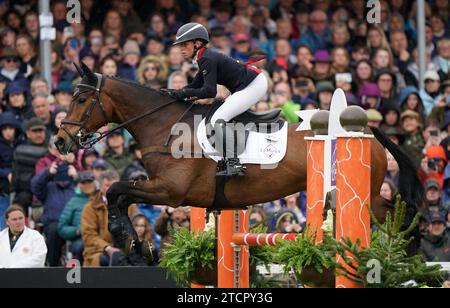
column 134, row 83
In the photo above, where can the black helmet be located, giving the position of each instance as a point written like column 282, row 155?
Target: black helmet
column 191, row 31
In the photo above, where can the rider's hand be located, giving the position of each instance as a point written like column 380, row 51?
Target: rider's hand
column 177, row 94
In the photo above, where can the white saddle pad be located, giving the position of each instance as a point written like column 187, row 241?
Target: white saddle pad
column 261, row 148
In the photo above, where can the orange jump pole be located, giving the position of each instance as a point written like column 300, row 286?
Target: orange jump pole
column 197, row 224
column 353, row 183
column 232, row 260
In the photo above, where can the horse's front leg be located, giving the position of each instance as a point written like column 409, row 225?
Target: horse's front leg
column 120, row 195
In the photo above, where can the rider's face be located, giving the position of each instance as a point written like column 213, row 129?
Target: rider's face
column 187, row 50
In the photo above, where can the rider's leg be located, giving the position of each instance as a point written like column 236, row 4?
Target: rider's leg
column 241, row 101
column 234, row 105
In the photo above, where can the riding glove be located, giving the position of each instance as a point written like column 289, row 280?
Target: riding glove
column 177, row 94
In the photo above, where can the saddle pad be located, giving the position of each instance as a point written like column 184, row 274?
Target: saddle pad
column 261, row 148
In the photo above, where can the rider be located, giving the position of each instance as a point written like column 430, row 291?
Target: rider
column 247, row 85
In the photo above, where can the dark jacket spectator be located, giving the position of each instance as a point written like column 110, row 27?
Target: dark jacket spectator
column 7, row 119
column 25, row 158
column 435, row 246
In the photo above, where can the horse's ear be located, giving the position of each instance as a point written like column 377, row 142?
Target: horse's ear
column 89, row 74
column 79, row 70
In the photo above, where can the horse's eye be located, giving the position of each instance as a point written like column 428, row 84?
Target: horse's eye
column 82, row 100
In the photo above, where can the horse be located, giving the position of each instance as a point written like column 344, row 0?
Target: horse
column 149, row 116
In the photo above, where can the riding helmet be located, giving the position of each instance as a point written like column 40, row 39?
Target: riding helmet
column 191, row 31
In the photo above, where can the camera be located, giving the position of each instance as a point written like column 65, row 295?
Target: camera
column 432, row 163
column 434, row 133
column 114, row 51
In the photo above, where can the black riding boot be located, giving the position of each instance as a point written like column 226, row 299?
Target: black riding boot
column 229, row 165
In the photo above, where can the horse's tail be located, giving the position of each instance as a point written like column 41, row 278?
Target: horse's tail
column 410, row 187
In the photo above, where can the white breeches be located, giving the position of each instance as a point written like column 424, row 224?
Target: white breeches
column 240, row 101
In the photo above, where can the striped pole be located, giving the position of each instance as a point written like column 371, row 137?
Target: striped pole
column 261, row 239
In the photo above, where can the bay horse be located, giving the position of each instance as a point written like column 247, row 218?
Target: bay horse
column 99, row 100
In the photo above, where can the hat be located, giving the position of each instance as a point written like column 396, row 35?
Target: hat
column 88, row 152
column 9, row 119
column 431, row 75
column 99, row 163
column 309, row 101
column 323, row 86
column 87, row 52
column 137, row 174
column 85, row 176
column 388, row 71
column 131, row 47
column 369, row 89
column 64, row 86
column 321, row 56
column 409, row 113
column 34, row 123
column 218, row 31
column 239, row 37
column 9, row 52
column 392, row 131
column 432, row 183
column 436, row 151
column 437, row 216
column 374, row 115
column 15, row 87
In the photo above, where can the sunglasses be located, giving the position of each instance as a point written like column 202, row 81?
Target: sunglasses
column 10, row 59
column 152, row 68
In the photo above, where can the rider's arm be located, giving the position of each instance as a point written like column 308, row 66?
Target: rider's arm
column 208, row 69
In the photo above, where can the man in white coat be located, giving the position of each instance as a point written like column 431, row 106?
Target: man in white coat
column 20, row 246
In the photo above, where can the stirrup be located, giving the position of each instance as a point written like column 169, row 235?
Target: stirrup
column 230, row 167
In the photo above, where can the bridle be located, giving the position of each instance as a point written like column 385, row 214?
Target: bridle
column 82, row 139
column 86, row 140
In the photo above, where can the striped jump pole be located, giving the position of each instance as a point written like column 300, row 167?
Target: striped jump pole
column 261, row 239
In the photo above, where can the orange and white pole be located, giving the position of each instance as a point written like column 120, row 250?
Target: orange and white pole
column 353, row 183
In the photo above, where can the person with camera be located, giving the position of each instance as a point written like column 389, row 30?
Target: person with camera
column 54, row 187
column 433, row 164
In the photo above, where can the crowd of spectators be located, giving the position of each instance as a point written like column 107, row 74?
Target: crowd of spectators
column 312, row 48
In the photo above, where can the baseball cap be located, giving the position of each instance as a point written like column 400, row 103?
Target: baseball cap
column 99, row 163
column 34, row 123
column 431, row 75
column 85, row 176
column 437, row 216
column 432, row 183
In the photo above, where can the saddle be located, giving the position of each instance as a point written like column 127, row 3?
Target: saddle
column 239, row 127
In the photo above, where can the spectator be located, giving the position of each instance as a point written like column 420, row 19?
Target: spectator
column 10, row 67
column 98, row 244
column 430, row 94
column 445, row 198
column 145, row 236
column 414, row 142
column 53, row 155
column 287, row 222
column 292, row 205
column 324, row 93
column 117, row 156
column 69, row 225
column 99, row 166
column 136, row 164
column 87, row 159
column 257, row 216
column 168, row 220
column 132, row 54
column 152, row 72
column 9, row 139
column 20, row 247
column 282, row 98
column 54, row 188
column 63, row 94
column 363, row 72
column 410, row 100
column 318, row 36
column 388, row 191
column 41, row 109
column 435, row 246
column 442, row 60
column 25, row 158
column 340, row 59
column 387, row 84
column 16, row 94
column 369, row 96
column 108, row 66
column 433, row 164
column 374, row 118
column 322, row 66
column 391, row 115
column 27, row 52
column 177, row 80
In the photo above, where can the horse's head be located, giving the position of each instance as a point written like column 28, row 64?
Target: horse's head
column 87, row 113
